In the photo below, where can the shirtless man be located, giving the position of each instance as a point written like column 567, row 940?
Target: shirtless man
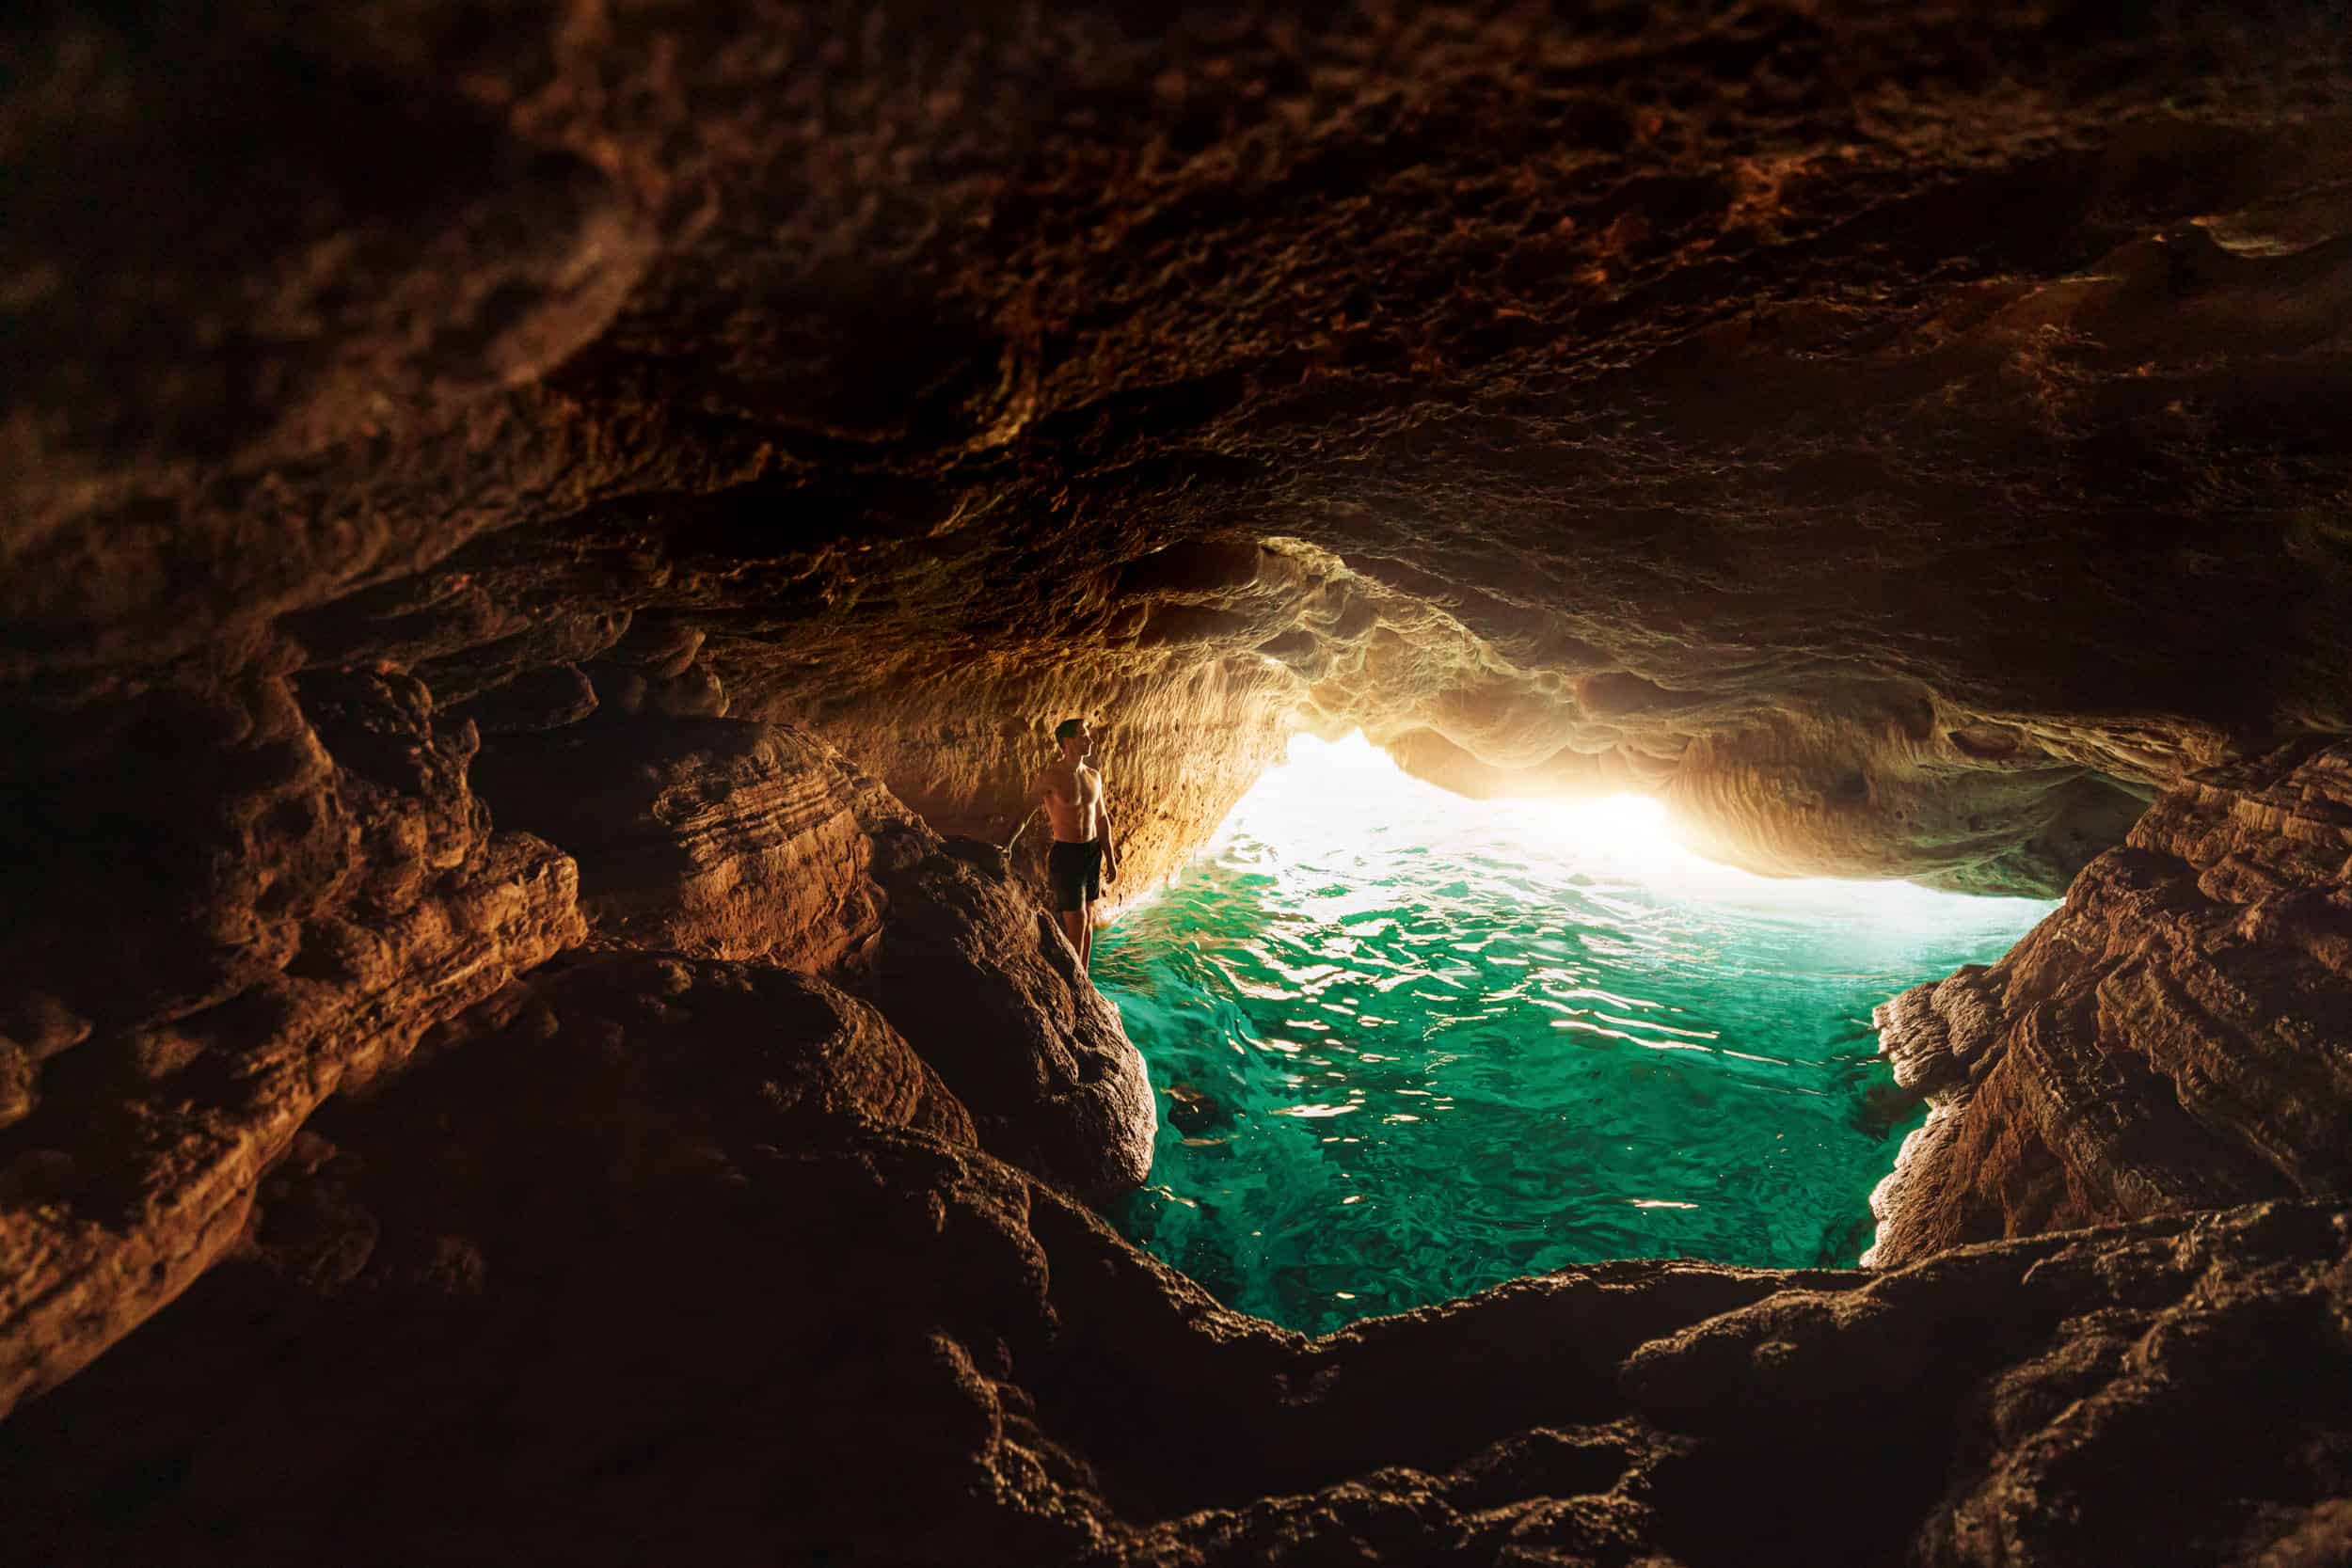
column 1082, row 857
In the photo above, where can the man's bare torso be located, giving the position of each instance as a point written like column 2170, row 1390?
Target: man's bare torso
column 1074, row 801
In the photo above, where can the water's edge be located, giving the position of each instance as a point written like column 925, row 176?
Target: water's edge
column 1407, row 1046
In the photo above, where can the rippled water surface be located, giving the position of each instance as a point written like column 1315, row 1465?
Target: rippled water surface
column 1408, row 1045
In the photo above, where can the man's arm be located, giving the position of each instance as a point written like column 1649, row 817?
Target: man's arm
column 1045, row 789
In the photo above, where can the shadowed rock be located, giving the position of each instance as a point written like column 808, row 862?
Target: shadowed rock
column 726, row 839
column 366, row 900
column 710, row 836
column 1905, row 444
column 671, row 1318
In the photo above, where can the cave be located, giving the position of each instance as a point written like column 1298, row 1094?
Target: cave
column 544, row 547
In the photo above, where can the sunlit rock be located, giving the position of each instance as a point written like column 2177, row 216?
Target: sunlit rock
column 2174, row 1037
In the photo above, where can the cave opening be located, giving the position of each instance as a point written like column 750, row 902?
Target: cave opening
column 1410, row 1045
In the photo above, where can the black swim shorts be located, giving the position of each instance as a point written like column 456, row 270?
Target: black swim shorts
column 1075, row 870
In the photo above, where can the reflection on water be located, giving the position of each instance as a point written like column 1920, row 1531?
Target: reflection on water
column 1407, row 1046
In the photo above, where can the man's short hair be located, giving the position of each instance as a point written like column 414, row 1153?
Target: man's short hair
column 1067, row 728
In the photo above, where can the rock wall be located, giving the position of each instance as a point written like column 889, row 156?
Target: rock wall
column 722, row 838
column 305, row 883
column 281, row 920
column 1178, row 746
column 2179, row 1036
column 710, row 837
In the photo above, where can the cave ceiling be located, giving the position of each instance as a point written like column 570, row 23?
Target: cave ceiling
column 1907, row 438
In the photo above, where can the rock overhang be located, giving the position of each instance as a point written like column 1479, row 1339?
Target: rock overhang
column 1905, row 446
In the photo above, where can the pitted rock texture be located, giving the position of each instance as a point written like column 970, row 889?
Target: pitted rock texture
column 726, row 839
column 710, row 837
column 281, row 920
column 783, row 1052
column 308, row 884
column 1908, row 437
column 985, row 986
column 677, row 1325
column 1178, row 745
column 2178, row 1037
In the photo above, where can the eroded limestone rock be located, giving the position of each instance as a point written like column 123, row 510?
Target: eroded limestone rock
column 305, row 916
column 1907, row 443
column 1906, row 439
column 727, row 839
column 726, row 1328
column 980, row 980
column 2179, row 1036
column 710, row 837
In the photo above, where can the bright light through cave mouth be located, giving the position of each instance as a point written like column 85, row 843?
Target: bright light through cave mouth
column 1410, row 1045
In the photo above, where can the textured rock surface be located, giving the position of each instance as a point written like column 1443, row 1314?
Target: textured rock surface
column 1904, row 436
column 298, row 888
column 1179, row 745
column 710, row 837
column 780, row 1054
column 597, row 1315
column 288, row 921
column 727, row 839
column 2178, row 1037
column 982, row 982
column 1908, row 438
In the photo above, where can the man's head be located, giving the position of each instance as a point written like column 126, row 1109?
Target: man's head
column 1074, row 739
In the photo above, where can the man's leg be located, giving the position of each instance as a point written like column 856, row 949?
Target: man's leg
column 1086, row 936
column 1073, row 926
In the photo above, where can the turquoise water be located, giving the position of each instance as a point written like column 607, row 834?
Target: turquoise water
column 1407, row 1045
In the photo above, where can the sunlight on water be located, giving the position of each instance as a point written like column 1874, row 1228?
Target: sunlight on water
column 1408, row 1045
